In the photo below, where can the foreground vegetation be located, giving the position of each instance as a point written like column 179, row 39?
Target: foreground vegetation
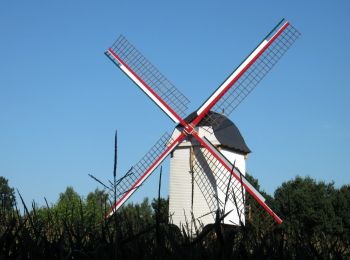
column 316, row 225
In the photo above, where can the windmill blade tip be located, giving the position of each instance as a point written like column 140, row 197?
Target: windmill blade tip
column 109, row 214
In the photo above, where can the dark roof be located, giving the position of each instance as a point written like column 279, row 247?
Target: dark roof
column 226, row 133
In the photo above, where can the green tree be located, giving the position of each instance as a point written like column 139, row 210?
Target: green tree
column 161, row 210
column 255, row 213
column 7, row 195
column 342, row 210
column 69, row 204
column 310, row 223
column 96, row 205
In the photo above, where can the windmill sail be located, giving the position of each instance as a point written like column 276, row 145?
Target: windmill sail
column 250, row 72
column 134, row 178
column 205, row 180
column 222, row 164
column 148, row 78
column 222, row 191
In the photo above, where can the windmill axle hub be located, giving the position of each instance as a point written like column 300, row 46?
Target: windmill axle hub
column 189, row 129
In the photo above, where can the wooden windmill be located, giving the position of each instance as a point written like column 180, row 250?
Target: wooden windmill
column 222, row 183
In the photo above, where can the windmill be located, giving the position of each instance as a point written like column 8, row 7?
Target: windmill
column 195, row 198
column 228, row 179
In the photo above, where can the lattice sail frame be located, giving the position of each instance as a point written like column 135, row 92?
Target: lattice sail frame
column 220, row 189
column 256, row 72
column 138, row 173
column 149, row 74
column 234, row 186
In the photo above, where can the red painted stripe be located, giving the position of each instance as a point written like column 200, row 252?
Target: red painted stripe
column 207, row 109
column 149, row 171
column 263, row 204
column 148, row 88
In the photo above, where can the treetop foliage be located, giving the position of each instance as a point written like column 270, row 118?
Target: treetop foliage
column 7, row 195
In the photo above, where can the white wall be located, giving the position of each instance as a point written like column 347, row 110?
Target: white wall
column 180, row 194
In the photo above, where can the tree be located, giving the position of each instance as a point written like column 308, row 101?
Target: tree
column 161, row 210
column 96, row 205
column 311, row 222
column 342, row 210
column 69, row 204
column 255, row 213
column 136, row 217
column 7, row 195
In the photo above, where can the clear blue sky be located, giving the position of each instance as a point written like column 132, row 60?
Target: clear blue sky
column 61, row 99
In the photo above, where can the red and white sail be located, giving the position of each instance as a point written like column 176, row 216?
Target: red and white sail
column 250, row 72
column 148, row 78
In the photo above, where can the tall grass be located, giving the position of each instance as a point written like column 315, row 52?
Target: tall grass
column 144, row 231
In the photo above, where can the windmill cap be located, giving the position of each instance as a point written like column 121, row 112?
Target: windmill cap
column 226, row 132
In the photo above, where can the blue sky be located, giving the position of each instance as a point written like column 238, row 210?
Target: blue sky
column 61, row 99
